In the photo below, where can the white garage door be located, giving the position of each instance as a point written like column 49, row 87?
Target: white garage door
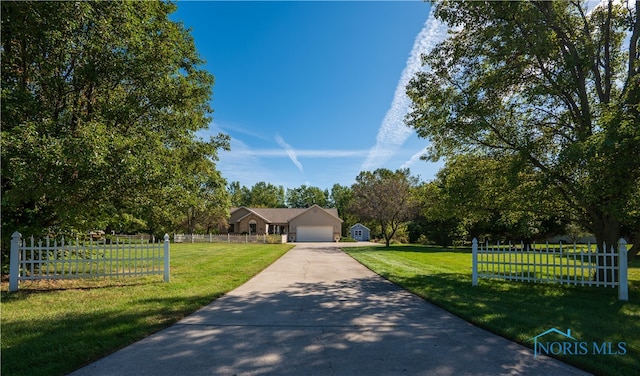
column 314, row 234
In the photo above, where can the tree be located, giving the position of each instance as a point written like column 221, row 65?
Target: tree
column 386, row 198
column 438, row 220
column 304, row 197
column 267, row 195
column 340, row 198
column 261, row 195
column 209, row 206
column 100, row 105
column 548, row 84
column 240, row 195
column 499, row 198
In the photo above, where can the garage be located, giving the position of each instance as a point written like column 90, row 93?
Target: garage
column 314, row 234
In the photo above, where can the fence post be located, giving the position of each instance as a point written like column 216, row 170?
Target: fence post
column 474, row 253
column 623, row 283
column 166, row 257
column 14, row 262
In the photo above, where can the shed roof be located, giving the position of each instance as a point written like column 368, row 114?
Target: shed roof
column 359, row 225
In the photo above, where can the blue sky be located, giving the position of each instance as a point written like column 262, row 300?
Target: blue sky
column 312, row 92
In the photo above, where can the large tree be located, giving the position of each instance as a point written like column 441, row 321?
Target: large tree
column 100, row 105
column 386, row 198
column 551, row 85
column 267, row 195
column 306, row 196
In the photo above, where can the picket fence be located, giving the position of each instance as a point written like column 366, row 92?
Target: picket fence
column 53, row 259
column 557, row 264
column 228, row 238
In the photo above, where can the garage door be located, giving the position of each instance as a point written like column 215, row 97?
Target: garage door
column 314, row 234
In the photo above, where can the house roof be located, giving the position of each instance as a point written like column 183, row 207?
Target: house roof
column 283, row 215
column 251, row 212
column 359, row 225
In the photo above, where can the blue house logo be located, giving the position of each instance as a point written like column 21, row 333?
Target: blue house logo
column 537, row 345
column 569, row 345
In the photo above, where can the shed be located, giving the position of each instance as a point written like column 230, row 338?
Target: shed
column 360, row 232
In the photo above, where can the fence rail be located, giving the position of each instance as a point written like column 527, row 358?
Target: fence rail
column 228, row 238
column 564, row 265
column 53, row 259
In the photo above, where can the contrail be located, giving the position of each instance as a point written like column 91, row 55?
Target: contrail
column 290, row 152
column 414, row 158
column 393, row 132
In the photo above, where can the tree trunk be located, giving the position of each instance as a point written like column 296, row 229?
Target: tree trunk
column 606, row 229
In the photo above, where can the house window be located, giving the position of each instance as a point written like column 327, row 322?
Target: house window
column 231, row 228
column 252, row 227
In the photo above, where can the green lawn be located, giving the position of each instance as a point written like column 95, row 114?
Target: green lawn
column 517, row 310
column 56, row 327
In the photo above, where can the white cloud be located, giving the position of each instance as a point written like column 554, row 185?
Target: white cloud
column 290, row 152
column 414, row 158
column 393, row 132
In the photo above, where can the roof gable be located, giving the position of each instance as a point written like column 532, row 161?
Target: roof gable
column 360, row 225
column 248, row 212
column 333, row 212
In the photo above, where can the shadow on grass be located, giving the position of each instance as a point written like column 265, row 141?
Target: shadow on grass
column 520, row 311
column 39, row 345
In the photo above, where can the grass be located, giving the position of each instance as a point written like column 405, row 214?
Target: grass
column 517, row 310
column 53, row 328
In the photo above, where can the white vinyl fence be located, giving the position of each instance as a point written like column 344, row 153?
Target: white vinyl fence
column 228, row 238
column 53, row 259
column 558, row 264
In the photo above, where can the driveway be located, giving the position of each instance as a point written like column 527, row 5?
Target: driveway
column 316, row 311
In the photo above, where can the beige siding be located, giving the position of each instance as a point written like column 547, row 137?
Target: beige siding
column 316, row 217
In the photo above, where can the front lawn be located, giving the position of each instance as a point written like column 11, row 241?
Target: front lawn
column 54, row 328
column 516, row 310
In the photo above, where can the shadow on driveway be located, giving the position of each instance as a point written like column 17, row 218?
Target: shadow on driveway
column 316, row 311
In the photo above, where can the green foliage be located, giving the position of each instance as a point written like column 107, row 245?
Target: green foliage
column 386, row 198
column 100, row 105
column 546, row 87
column 261, row 195
column 304, row 197
column 479, row 196
column 341, row 198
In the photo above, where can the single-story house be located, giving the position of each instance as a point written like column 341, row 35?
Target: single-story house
column 360, row 232
column 313, row 224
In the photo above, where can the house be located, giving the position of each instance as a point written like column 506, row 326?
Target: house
column 313, row 224
column 360, row 232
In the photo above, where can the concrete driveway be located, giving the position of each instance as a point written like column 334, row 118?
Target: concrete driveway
column 316, row 311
